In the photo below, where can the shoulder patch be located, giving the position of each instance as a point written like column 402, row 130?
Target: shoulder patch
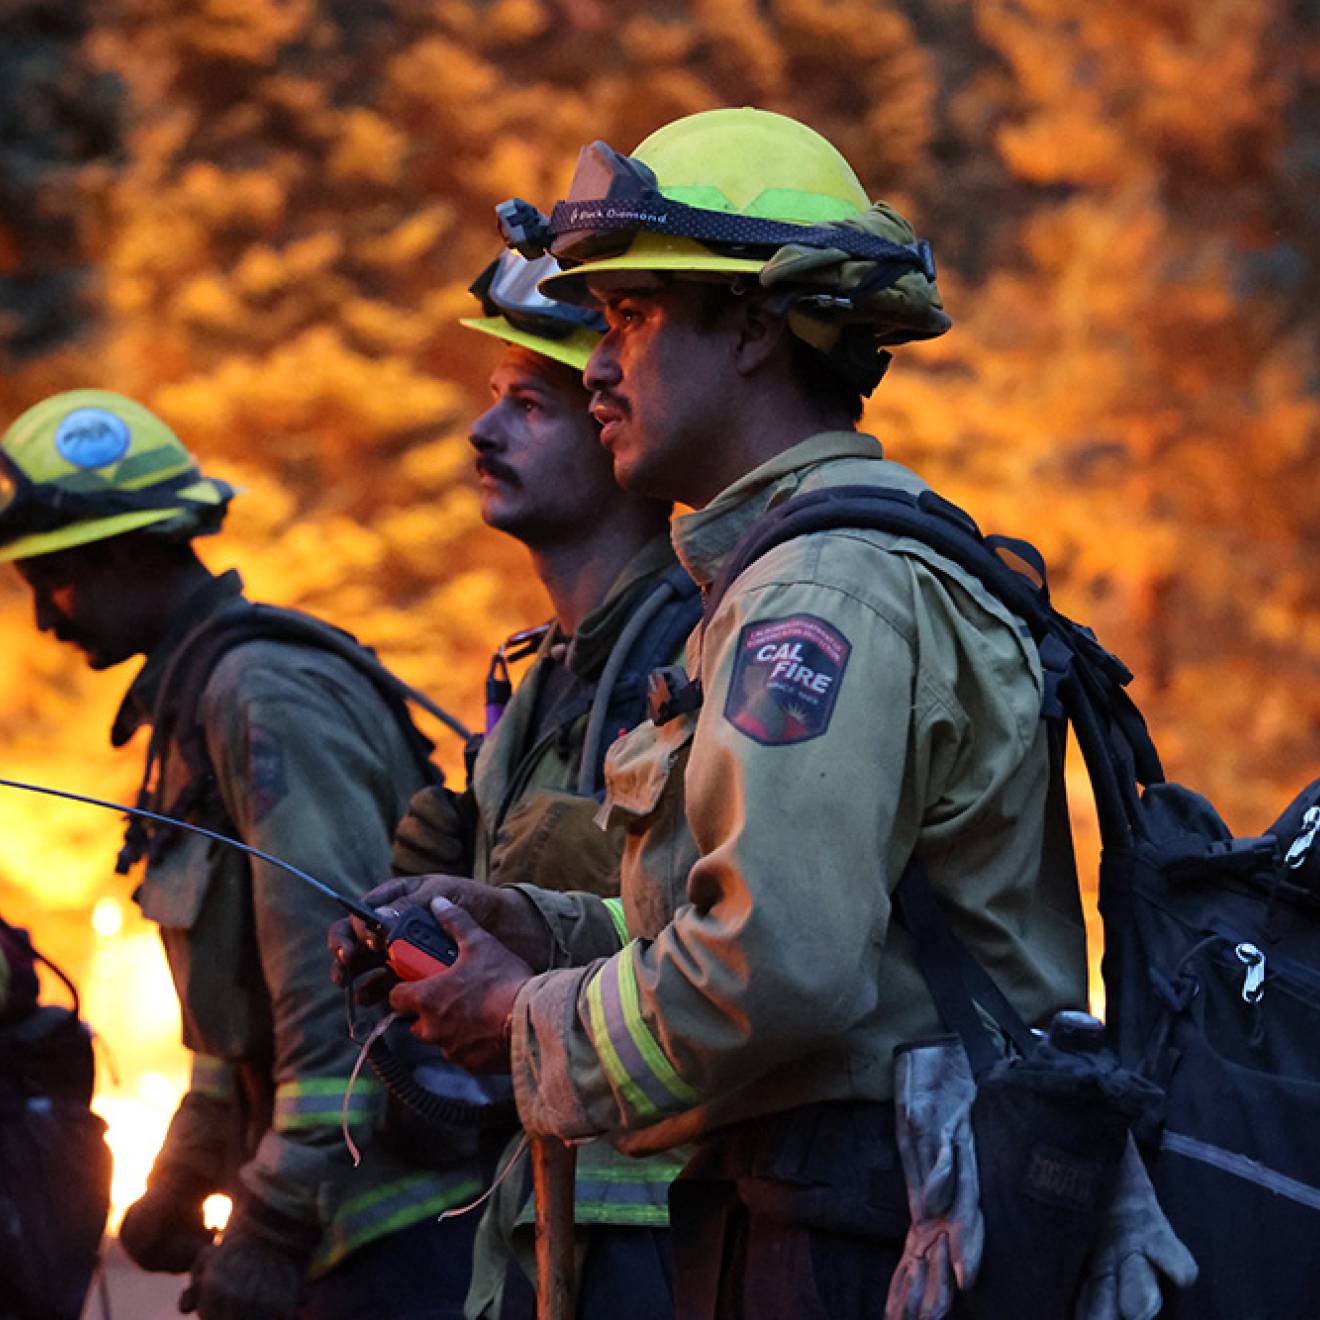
column 267, row 781
column 786, row 678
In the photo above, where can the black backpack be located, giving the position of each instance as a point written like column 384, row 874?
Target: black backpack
column 180, row 694
column 54, row 1163
column 1212, row 943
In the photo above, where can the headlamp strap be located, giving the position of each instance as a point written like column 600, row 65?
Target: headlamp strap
column 657, row 214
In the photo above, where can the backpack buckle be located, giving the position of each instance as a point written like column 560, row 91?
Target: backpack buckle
column 670, row 693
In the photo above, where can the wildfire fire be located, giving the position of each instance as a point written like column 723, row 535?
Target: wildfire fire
column 273, row 218
column 129, row 1000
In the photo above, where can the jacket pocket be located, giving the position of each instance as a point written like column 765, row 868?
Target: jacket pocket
column 174, row 888
column 639, row 766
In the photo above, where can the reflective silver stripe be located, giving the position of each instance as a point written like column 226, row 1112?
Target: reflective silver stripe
column 1240, row 1166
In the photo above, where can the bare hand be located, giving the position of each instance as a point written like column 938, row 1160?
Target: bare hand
column 467, row 1009
column 505, row 913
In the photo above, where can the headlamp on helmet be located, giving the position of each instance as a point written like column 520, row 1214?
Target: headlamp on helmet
column 613, row 197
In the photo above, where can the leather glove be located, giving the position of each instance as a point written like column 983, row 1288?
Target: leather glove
column 437, row 835
column 551, row 840
column 163, row 1230
column 257, row 1271
column 934, row 1090
column 1137, row 1245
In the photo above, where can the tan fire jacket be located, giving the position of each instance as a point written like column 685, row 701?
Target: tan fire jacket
column 311, row 767
column 863, row 698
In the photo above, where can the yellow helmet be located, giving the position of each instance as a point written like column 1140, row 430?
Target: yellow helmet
column 742, row 162
column 87, row 465
column 745, row 193
column 713, row 193
column 517, row 313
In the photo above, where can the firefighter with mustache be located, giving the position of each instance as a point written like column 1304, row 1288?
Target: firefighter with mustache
column 853, row 701
column 299, row 750
column 622, row 606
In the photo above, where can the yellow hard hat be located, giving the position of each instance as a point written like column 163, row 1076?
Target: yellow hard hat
column 87, row 465
column 744, row 183
column 518, row 314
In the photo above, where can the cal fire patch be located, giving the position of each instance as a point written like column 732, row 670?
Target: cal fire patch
column 786, row 678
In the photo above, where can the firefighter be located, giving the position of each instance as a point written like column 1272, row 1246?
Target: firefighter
column 295, row 749
column 622, row 605
column 853, row 699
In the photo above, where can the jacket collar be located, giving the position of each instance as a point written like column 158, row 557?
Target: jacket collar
column 139, row 703
column 704, row 539
column 596, row 635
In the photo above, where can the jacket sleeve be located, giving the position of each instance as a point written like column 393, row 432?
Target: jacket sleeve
column 304, row 778
column 791, row 802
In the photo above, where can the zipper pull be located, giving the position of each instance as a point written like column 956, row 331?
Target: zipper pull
column 1305, row 839
column 1253, row 984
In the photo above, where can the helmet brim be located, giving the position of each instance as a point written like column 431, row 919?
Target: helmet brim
column 91, row 530
column 573, row 350
column 648, row 252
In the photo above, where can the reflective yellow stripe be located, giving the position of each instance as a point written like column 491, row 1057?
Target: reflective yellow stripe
column 641, row 1033
column 630, row 1054
column 389, row 1208
column 319, row 1102
column 609, row 1057
column 211, row 1076
column 630, row 1216
column 614, row 906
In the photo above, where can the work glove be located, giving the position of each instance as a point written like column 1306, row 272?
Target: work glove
column 1137, row 1246
column 163, row 1229
column 437, row 835
column 934, row 1090
column 551, row 840
column 257, row 1271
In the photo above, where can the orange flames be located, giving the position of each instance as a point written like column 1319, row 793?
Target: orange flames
column 303, row 191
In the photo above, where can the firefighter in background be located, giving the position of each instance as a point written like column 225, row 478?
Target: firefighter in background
column 303, row 757
column 622, row 606
column 859, row 699
column 54, row 1164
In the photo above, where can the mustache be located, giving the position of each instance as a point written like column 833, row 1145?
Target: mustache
column 612, row 402
column 490, row 466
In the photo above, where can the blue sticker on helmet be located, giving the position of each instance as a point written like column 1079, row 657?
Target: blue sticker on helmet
column 92, row 438
column 786, row 677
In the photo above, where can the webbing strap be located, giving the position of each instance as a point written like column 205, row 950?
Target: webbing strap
column 185, row 680
column 1089, row 682
column 658, row 214
column 957, row 982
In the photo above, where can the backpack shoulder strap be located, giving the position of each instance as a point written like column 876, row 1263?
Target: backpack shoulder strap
column 1084, row 682
column 185, row 681
column 650, row 638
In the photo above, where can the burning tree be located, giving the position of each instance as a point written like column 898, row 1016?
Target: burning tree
column 285, row 200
